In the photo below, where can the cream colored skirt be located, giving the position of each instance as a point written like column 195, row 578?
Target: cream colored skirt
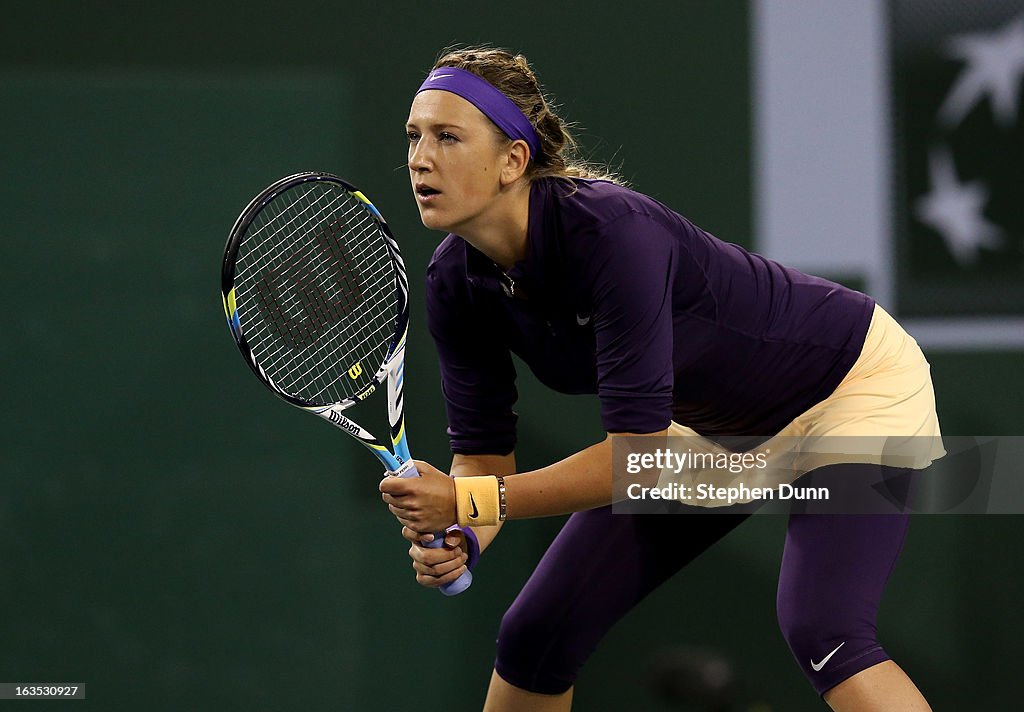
column 882, row 413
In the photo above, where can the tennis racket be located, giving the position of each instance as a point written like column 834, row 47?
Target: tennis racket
column 317, row 299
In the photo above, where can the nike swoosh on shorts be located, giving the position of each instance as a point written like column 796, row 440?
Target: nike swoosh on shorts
column 818, row 666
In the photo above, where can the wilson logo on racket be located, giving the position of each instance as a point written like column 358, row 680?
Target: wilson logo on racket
column 313, row 289
column 356, row 371
column 339, row 419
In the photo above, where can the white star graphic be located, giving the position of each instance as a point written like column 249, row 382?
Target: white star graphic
column 954, row 210
column 995, row 64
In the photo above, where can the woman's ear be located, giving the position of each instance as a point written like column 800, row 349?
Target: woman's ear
column 517, row 158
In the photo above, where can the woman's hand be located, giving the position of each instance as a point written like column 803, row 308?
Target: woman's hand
column 424, row 504
column 440, row 566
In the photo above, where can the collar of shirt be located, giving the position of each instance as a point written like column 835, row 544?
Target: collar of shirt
column 482, row 273
column 525, row 277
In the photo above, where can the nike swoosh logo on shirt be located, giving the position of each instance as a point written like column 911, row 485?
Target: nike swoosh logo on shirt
column 476, row 513
column 818, row 666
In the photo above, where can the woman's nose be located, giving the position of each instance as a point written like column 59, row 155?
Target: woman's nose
column 419, row 160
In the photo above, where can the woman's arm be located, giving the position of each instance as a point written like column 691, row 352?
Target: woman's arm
column 579, row 482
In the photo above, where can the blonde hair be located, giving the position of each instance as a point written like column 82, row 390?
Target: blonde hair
column 512, row 75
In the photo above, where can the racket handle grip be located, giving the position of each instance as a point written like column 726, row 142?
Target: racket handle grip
column 463, row 582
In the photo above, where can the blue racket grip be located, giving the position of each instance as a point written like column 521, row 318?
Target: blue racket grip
column 462, row 582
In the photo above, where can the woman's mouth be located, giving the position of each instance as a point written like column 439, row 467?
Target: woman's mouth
column 425, row 194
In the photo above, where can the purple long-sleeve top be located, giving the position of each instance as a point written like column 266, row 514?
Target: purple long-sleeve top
column 621, row 296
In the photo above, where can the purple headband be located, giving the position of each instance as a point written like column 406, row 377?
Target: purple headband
column 489, row 99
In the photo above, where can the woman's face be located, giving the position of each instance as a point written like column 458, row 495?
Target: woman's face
column 455, row 160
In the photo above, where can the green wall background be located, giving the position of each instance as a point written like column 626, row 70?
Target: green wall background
column 174, row 537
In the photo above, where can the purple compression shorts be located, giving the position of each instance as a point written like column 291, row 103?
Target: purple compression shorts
column 834, row 571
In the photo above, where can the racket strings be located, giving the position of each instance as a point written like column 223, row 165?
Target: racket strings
column 361, row 322
column 319, row 308
column 322, row 362
column 268, row 259
column 360, row 335
column 261, row 251
column 320, row 311
column 315, row 286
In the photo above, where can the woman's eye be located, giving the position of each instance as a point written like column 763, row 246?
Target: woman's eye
column 446, row 137
column 412, row 136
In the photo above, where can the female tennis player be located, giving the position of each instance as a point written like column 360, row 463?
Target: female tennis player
column 600, row 289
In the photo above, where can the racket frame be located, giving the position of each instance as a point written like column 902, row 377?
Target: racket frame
column 397, row 461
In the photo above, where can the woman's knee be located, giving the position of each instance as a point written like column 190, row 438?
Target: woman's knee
column 540, row 650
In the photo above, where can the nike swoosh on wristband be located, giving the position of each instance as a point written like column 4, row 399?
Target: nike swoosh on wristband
column 818, row 666
column 476, row 512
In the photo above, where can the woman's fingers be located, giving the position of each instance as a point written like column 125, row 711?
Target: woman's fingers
column 431, row 565
column 435, row 581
